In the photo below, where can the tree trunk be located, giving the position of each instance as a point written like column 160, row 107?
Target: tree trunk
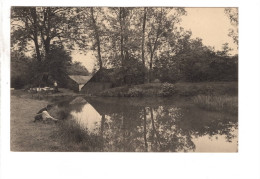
column 45, row 30
column 143, row 40
column 121, row 36
column 154, row 47
column 35, row 34
column 37, row 48
column 97, row 38
column 47, row 46
column 150, row 68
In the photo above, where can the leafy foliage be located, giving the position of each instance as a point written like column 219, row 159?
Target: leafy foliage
column 20, row 70
column 232, row 14
column 139, row 44
column 195, row 62
column 40, row 27
column 168, row 89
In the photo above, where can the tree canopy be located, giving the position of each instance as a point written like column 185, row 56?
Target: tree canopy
column 145, row 43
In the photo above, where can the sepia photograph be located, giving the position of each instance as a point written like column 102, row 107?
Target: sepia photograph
column 124, row 79
column 129, row 89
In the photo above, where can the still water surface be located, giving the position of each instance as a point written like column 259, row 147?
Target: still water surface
column 153, row 125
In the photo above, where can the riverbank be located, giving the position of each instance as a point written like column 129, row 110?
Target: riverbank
column 65, row 136
column 63, row 92
column 27, row 135
column 49, row 136
column 181, row 89
column 177, row 89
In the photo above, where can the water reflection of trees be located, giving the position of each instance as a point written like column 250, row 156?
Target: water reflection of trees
column 168, row 134
column 156, row 128
column 200, row 123
column 132, row 128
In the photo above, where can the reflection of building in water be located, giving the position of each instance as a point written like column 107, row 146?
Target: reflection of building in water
column 88, row 118
column 78, row 100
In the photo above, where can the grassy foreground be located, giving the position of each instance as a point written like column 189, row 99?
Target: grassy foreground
column 27, row 135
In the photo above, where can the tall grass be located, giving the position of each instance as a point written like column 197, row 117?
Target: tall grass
column 217, row 103
column 77, row 138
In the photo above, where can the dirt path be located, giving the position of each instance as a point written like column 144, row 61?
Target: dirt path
column 27, row 135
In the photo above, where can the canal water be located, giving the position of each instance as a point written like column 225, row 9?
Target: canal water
column 149, row 125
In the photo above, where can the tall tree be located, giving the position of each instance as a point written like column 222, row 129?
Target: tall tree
column 160, row 26
column 124, row 44
column 43, row 26
column 25, row 28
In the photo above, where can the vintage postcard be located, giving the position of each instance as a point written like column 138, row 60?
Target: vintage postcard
column 124, row 79
column 129, row 90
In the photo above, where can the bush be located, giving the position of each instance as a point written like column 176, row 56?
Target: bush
column 135, row 92
column 18, row 82
column 168, row 89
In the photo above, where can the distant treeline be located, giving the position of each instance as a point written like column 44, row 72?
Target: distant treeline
column 139, row 44
column 197, row 63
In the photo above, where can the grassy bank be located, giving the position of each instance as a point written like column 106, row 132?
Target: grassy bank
column 27, row 135
column 178, row 89
column 77, row 138
column 63, row 92
column 217, row 103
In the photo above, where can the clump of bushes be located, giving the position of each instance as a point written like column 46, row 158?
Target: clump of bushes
column 135, row 92
column 151, row 89
column 177, row 89
column 123, row 92
column 168, row 89
column 217, row 103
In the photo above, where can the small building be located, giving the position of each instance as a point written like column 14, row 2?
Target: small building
column 76, row 82
column 100, row 81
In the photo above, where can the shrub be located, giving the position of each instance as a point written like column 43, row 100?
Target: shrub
column 168, row 89
column 135, row 92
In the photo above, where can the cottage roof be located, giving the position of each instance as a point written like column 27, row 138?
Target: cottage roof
column 80, row 79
